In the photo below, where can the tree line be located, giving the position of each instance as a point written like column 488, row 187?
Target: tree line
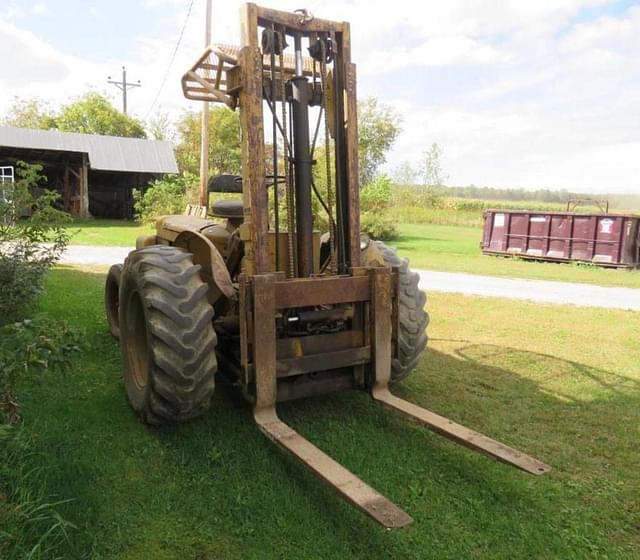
column 619, row 201
column 379, row 126
column 93, row 113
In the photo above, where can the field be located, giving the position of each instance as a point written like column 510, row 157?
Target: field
column 458, row 211
column 561, row 383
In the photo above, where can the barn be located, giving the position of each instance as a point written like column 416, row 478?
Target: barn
column 94, row 174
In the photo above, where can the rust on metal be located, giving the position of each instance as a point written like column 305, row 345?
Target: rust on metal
column 315, row 344
column 207, row 256
column 243, row 292
column 344, row 482
column 264, row 341
column 352, row 163
column 294, row 22
column 254, row 195
column 323, row 361
column 197, row 85
column 460, row 434
column 322, row 291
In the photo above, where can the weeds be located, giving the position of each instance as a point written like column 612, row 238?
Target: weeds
column 30, row 525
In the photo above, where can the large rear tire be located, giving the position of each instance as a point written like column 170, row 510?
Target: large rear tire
column 167, row 339
column 112, row 298
column 412, row 335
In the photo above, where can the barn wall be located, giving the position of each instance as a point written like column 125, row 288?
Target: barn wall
column 110, row 193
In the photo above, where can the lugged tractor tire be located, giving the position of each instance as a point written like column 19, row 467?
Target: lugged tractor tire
column 112, row 298
column 413, row 319
column 167, row 339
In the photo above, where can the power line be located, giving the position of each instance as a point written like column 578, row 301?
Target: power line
column 173, row 56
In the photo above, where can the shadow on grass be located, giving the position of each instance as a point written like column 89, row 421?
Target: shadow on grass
column 418, row 239
column 216, row 488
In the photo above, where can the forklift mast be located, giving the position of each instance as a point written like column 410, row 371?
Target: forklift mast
column 299, row 69
column 329, row 45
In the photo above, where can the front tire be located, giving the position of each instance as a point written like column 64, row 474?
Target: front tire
column 412, row 335
column 167, row 339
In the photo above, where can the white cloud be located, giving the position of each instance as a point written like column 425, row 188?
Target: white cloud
column 440, row 51
column 39, row 8
column 32, row 61
column 612, row 32
column 11, row 13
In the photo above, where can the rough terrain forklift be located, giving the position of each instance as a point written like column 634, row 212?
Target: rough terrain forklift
column 257, row 296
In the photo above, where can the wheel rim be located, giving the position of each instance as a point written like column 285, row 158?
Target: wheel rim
column 137, row 344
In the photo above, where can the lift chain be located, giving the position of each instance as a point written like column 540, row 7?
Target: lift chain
column 287, row 175
column 327, row 157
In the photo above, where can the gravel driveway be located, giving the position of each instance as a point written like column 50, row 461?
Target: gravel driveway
column 89, row 254
column 533, row 290
column 452, row 282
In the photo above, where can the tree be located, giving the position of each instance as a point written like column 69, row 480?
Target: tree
column 405, row 174
column 94, row 114
column 375, row 201
column 224, row 142
column 378, row 128
column 29, row 113
column 91, row 114
column 160, row 127
column 431, row 169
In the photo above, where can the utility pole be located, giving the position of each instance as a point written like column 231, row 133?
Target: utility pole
column 124, row 86
column 204, row 129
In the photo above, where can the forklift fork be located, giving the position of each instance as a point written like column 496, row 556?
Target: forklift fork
column 344, row 482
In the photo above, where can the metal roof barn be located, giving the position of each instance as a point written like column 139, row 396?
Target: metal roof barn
column 106, row 153
column 95, row 174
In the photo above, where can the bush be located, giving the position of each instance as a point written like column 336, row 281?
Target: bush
column 28, row 246
column 29, row 347
column 378, row 225
column 165, row 196
column 375, row 218
column 376, row 196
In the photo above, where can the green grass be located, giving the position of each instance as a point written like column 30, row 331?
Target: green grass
column 457, row 249
column 431, row 246
column 562, row 383
column 107, row 232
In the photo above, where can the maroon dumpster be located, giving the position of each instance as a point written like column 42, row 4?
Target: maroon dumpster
column 611, row 240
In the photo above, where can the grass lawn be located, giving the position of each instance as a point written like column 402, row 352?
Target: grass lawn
column 562, row 383
column 457, row 249
column 107, row 232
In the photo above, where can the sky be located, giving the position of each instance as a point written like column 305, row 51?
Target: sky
column 518, row 93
